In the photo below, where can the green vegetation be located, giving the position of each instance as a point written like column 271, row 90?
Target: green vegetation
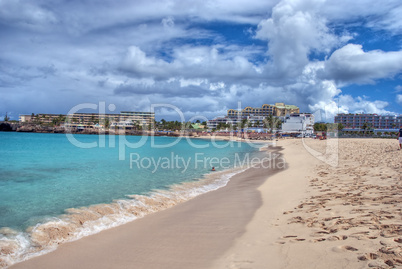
column 320, row 127
column 330, row 127
column 222, row 125
column 107, row 122
column 278, row 124
column 169, row 125
column 57, row 121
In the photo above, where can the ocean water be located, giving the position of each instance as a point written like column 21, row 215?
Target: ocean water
column 54, row 189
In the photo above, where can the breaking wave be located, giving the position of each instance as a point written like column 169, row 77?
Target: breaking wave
column 80, row 222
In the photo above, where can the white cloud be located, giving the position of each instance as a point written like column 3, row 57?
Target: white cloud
column 295, row 30
column 168, row 22
column 391, row 20
column 378, row 15
column 137, row 62
column 140, row 52
column 326, row 111
column 26, row 15
column 216, row 86
column 189, row 82
column 189, row 62
column 399, row 99
column 351, row 64
column 361, row 104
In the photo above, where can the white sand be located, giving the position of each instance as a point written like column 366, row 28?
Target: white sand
column 348, row 216
column 311, row 215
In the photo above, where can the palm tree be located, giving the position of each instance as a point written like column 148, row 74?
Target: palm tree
column 270, row 120
column 244, row 123
column 163, row 122
column 107, row 122
column 278, row 124
column 365, row 127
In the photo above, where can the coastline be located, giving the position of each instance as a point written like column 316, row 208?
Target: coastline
column 308, row 215
column 188, row 235
column 259, row 246
column 80, row 222
column 344, row 216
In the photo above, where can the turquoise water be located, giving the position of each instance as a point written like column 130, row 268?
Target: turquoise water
column 42, row 175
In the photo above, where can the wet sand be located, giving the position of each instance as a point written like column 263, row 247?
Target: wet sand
column 343, row 216
column 310, row 215
column 190, row 235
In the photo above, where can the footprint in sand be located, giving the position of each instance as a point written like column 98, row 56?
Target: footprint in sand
column 335, row 238
column 350, row 248
column 369, row 256
column 344, row 248
column 287, row 212
column 398, row 240
column 289, row 236
column 318, row 240
column 280, row 242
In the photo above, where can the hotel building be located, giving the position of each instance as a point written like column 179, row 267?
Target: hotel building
column 299, row 123
column 374, row 121
column 140, row 118
column 255, row 115
column 278, row 110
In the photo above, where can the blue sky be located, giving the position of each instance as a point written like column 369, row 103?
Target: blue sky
column 201, row 56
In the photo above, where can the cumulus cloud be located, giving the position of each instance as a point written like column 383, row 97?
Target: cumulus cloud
column 295, row 30
column 361, row 104
column 189, row 62
column 326, row 110
column 199, row 56
column 399, row 99
column 351, row 64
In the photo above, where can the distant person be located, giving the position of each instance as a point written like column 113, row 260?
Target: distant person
column 213, row 168
column 400, row 138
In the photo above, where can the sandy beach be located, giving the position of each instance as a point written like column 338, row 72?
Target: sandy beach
column 348, row 216
column 310, row 215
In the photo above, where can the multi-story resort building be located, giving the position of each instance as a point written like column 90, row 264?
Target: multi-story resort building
column 125, row 118
column 299, row 123
column 372, row 121
column 278, row 110
column 255, row 116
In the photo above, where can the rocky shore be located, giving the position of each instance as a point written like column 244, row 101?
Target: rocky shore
column 33, row 128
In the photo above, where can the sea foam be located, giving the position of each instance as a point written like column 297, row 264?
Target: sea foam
column 80, row 222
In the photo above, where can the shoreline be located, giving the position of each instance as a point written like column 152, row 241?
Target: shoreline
column 194, row 221
column 308, row 215
column 79, row 223
column 260, row 245
column 344, row 216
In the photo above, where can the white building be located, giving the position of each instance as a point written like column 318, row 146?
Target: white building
column 122, row 124
column 252, row 121
column 299, row 123
column 213, row 124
